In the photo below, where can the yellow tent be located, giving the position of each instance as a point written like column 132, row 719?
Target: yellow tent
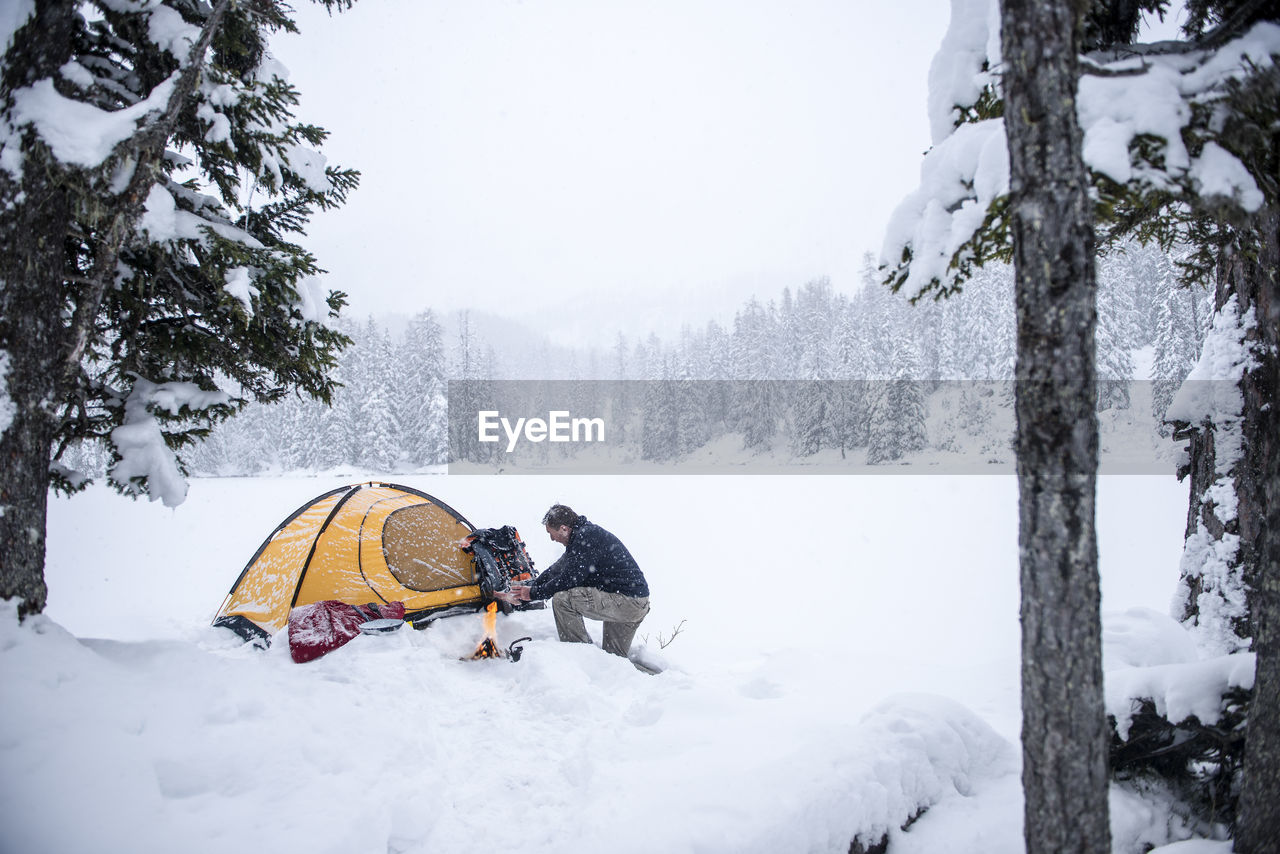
column 373, row 542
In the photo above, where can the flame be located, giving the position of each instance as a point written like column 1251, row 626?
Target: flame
column 488, row 647
column 491, row 622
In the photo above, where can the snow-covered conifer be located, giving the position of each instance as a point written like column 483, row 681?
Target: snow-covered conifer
column 1006, row 180
column 849, row 404
column 466, row 393
column 659, row 436
column 423, row 397
column 1117, row 333
column 812, row 404
column 380, row 439
column 153, row 178
column 1177, row 347
column 693, row 425
column 897, row 411
column 756, row 407
column 813, row 418
column 1179, row 139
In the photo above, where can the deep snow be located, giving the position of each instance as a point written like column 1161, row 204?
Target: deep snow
column 849, row 652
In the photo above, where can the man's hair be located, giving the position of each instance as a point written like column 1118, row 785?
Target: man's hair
column 559, row 515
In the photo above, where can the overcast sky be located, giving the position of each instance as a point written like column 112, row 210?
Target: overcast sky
column 591, row 166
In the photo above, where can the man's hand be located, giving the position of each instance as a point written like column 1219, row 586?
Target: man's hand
column 517, row 594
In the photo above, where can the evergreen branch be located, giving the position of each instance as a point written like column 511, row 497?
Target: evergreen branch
column 1232, row 27
column 146, row 147
column 1090, row 68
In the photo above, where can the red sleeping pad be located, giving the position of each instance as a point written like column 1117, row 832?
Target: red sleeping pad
column 322, row 627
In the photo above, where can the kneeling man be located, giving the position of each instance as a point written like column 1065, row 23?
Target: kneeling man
column 596, row 578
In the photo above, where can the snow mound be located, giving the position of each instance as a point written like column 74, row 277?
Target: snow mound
column 1178, row 691
column 1150, row 656
column 923, row 748
column 1143, row 637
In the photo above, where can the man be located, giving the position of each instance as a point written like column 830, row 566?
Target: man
column 596, row 578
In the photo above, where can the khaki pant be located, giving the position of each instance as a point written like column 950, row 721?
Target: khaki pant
column 620, row 614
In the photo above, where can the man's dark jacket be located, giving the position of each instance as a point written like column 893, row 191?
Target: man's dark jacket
column 593, row 558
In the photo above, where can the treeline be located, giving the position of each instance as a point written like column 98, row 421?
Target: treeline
column 391, row 413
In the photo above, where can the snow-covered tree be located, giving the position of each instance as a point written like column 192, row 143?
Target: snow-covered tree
column 650, row 359
column 755, row 407
column 788, row 337
column 308, row 440
column 423, row 397
column 897, row 410
column 1222, row 199
column 986, row 314
column 379, row 443
column 621, row 358
column 1064, row 726
column 1117, row 333
column 1180, row 142
column 717, row 391
column 1006, row 179
column 693, row 425
column 848, row 403
column 814, row 417
column 341, row 428
column 1178, row 340
column 813, row 403
column 660, row 435
column 152, row 177
column 467, row 394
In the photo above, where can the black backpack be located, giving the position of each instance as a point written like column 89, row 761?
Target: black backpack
column 501, row 560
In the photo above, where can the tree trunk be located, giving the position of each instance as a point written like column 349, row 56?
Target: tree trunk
column 30, row 334
column 35, row 214
column 1064, row 725
column 1249, row 440
column 1257, row 280
column 1250, row 276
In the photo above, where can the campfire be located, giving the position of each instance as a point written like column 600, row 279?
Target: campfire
column 488, row 647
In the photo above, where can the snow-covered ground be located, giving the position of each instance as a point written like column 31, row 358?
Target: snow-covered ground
column 848, row 652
